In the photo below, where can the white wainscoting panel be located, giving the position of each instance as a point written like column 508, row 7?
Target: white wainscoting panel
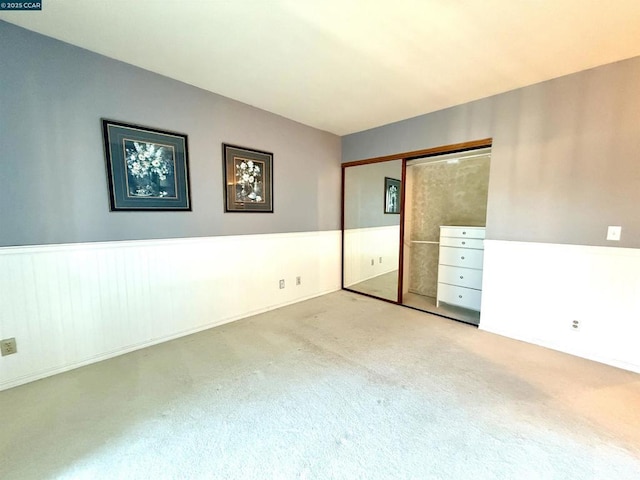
column 364, row 245
column 534, row 291
column 71, row 305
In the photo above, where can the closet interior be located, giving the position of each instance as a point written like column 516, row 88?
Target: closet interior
column 444, row 230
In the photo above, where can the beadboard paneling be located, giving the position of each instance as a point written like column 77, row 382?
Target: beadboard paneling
column 533, row 292
column 70, row 305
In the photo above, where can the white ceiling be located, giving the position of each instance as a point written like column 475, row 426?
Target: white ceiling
column 348, row 65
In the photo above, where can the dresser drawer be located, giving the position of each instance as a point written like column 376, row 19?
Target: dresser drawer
column 460, row 296
column 461, row 257
column 463, row 277
column 464, row 232
column 476, row 243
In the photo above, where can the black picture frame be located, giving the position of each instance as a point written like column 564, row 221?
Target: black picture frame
column 248, row 179
column 391, row 195
column 147, row 168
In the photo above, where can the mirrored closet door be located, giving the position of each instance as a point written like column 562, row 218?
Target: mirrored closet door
column 371, row 230
column 414, row 228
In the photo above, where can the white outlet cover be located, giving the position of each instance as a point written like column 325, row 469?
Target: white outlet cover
column 614, row 233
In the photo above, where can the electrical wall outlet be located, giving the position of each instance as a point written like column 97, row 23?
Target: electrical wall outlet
column 575, row 325
column 281, row 284
column 298, row 280
column 379, row 259
column 372, row 262
column 8, row 346
column 614, row 233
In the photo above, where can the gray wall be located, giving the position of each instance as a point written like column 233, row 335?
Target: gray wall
column 565, row 160
column 364, row 195
column 53, row 187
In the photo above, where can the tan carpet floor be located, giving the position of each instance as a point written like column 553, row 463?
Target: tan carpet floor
column 338, row 387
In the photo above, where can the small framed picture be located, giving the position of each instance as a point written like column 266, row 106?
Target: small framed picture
column 248, row 176
column 391, row 195
column 147, row 169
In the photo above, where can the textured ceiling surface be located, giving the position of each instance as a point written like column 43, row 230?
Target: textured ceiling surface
column 349, row 65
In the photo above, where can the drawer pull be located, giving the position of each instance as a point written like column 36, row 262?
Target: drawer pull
column 459, row 296
column 464, row 243
column 464, row 233
column 462, row 258
column 461, row 277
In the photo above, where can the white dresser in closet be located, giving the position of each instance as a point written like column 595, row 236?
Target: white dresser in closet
column 460, row 266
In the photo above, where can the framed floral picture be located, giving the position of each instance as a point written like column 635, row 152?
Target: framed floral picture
column 147, row 169
column 248, row 176
column 391, row 195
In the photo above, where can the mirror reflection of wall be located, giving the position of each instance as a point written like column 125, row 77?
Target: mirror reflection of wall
column 444, row 190
column 372, row 228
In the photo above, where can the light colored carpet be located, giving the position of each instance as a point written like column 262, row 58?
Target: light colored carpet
column 338, row 387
